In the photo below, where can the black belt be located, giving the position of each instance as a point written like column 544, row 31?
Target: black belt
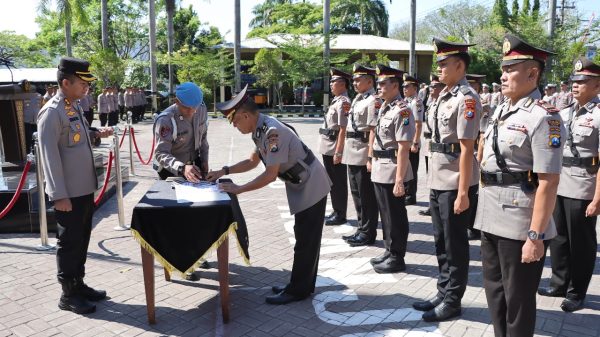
column 292, row 175
column 385, row 154
column 427, row 134
column 580, row 162
column 329, row 132
column 445, row 147
column 507, row 178
column 358, row 135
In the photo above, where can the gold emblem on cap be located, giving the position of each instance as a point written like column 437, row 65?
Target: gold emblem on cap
column 354, row 68
column 578, row 65
column 330, row 72
column 378, row 70
column 506, row 46
column 76, row 137
column 404, row 76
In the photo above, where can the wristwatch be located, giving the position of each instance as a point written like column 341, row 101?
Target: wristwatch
column 180, row 169
column 226, row 169
column 533, row 235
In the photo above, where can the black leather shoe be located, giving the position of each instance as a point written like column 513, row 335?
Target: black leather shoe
column 390, row 265
column 283, row 298
column 360, row 240
column 330, row 215
column 335, row 221
column 442, row 312
column 551, row 292
column 348, row 237
column 473, row 234
column 278, row 289
column 426, row 212
column 204, row 265
column 570, row 305
column 428, row 304
column 410, row 201
column 380, row 258
column 191, row 277
column 72, row 300
column 89, row 293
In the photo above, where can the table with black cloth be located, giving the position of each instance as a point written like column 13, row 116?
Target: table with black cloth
column 179, row 235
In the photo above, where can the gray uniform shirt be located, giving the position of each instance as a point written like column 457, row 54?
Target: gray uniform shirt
column 551, row 99
column 525, row 133
column 278, row 144
column 336, row 116
column 85, row 103
column 416, row 106
column 121, row 99
column 66, row 150
column 580, row 182
column 395, row 123
column 362, row 117
column 31, row 108
column 115, row 98
column 128, row 97
column 174, row 148
column 103, row 104
column 458, row 112
column 564, row 99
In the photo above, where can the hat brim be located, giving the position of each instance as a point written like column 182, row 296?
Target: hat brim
column 580, row 77
column 355, row 76
column 87, row 78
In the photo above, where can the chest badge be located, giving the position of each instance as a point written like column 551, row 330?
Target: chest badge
column 76, row 137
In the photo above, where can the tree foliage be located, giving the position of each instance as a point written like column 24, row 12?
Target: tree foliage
column 25, row 52
column 359, row 16
column 290, row 17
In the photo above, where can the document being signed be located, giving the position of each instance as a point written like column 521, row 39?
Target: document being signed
column 198, row 192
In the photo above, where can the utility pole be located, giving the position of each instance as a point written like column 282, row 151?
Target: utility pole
column 236, row 48
column 551, row 26
column 326, row 7
column 413, row 30
column 152, row 18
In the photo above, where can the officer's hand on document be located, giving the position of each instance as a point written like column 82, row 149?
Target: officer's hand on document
column 192, row 173
column 214, row 175
column 230, row 188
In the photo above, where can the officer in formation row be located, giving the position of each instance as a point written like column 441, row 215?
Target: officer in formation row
column 134, row 100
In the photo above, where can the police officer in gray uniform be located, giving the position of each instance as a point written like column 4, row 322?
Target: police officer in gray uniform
column 520, row 171
column 70, row 176
column 415, row 104
column 363, row 118
column 452, row 178
column 31, row 108
column 578, row 203
column 181, row 136
column 103, row 107
column 390, row 168
column 181, row 141
column 86, row 105
column 331, row 145
column 306, row 182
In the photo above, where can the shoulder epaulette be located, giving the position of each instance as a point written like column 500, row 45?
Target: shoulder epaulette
column 465, row 90
column 550, row 109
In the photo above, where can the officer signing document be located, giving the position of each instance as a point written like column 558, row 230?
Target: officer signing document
column 307, row 185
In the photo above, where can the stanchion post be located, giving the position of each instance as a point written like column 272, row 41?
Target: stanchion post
column 129, row 133
column 41, row 197
column 119, row 183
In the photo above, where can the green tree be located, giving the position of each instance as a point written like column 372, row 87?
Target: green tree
column 25, row 52
column 515, row 9
column 294, row 18
column 269, row 71
column 500, row 14
column 262, row 13
column 525, row 8
column 68, row 11
column 359, row 16
column 535, row 10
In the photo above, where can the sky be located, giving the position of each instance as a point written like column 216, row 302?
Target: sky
column 19, row 16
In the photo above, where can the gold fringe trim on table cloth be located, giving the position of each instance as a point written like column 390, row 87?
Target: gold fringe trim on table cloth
column 232, row 228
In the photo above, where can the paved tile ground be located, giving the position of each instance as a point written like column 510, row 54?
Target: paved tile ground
column 351, row 300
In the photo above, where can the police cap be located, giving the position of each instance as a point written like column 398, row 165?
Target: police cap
column 584, row 69
column 228, row 108
column 77, row 67
column 516, row 51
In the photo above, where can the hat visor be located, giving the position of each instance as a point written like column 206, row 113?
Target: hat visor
column 87, row 78
column 580, row 77
column 355, row 76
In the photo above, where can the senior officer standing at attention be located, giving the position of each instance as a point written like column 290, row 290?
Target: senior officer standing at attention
column 452, row 178
column 331, row 145
column 181, row 143
column 521, row 166
column 70, row 175
column 415, row 104
column 573, row 250
column 307, row 185
column 363, row 118
column 390, row 168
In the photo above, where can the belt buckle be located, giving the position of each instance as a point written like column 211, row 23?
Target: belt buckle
column 499, row 179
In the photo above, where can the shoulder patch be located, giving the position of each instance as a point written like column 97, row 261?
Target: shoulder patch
column 377, row 103
column 346, row 107
column 465, row 90
column 405, row 113
column 470, row 108
column 272, row 139
column 550, row 109
column 165, row 131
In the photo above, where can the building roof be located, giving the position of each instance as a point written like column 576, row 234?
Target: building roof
column 39, row 75
column 339, row 43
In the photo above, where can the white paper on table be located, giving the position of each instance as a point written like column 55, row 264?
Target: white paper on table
column 199, row 192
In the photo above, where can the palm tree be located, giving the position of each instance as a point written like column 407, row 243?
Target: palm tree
column 372, row 14
column 68, row 10
column 262, row 12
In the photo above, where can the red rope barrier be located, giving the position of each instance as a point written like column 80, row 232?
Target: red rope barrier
column 15, row 197
column 138, row 151
column 106, row 178
column 122, row 138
